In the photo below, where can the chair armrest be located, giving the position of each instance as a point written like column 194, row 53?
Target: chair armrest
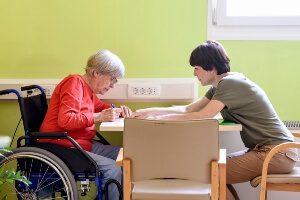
column 218, row 177
column 296, row 134
column 272, row 152
column 222, row 156
column 120, row 158
column 48, row 135
column 127, row 179
column 222, row 174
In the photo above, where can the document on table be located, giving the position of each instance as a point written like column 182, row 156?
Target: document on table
column 218, row 116
column 117, row 125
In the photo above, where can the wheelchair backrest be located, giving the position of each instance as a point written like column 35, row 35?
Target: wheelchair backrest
column 33, row 111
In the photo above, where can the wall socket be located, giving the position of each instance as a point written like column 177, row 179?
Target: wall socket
column 126, row 90
column 48, row 89
column 143, row 91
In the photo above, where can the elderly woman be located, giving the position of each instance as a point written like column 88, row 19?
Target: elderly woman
column 75, row 108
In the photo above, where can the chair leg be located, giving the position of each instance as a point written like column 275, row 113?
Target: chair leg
column 126, row 180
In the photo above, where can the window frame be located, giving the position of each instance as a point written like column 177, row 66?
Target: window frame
column 223, row 27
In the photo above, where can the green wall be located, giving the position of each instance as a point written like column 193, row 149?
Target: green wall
column 50, row 39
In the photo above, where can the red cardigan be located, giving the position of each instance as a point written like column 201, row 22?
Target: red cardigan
column 71, row 109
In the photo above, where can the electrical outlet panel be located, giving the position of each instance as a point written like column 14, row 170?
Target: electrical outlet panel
column 144, row 91
column 126, row 90
column 48, row 89
column 48, row 84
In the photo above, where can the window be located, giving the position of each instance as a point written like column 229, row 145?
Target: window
column 254, row 19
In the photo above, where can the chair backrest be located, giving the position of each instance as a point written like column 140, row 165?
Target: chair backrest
column 171, row 149
column 33, row 111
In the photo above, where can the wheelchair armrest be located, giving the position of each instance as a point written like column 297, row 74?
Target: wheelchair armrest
column 48, row 135
column 54, row 135
column 33, row 136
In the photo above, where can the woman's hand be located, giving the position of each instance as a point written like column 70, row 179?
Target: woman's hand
column 107, row 115
column 143, row 115
column 149, row 113
column 125, row 111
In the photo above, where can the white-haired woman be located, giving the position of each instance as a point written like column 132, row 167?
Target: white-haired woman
column 75, row 108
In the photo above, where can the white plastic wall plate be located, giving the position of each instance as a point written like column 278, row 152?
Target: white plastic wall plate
column 143, row 91
column 126, row 90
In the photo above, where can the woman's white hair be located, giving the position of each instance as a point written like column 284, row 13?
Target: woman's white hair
column 106, row 63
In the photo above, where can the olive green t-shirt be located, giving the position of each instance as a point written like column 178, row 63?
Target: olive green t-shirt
column 247, row 104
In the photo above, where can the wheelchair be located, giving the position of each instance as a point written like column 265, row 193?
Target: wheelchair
column 54, row 171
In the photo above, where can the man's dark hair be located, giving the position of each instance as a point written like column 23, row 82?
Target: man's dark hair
column 209, row 55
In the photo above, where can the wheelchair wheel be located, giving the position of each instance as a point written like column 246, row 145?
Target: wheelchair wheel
column 49, row 176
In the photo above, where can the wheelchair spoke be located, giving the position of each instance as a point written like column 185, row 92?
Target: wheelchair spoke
column 30, row 168
column 53, row 192
column 45, row 186
column 48, row 177
column 61, row 197
column 40, row 181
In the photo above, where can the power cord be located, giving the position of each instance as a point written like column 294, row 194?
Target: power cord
column 29, row 92
column 118, row 185
column 15, row 132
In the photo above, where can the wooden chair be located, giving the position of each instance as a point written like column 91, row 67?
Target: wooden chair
column 173, row 160
column 277, row 182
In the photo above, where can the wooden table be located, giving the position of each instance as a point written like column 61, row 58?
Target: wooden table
column 118, row 125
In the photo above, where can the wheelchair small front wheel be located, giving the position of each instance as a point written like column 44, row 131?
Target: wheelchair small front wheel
column 49, row 176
